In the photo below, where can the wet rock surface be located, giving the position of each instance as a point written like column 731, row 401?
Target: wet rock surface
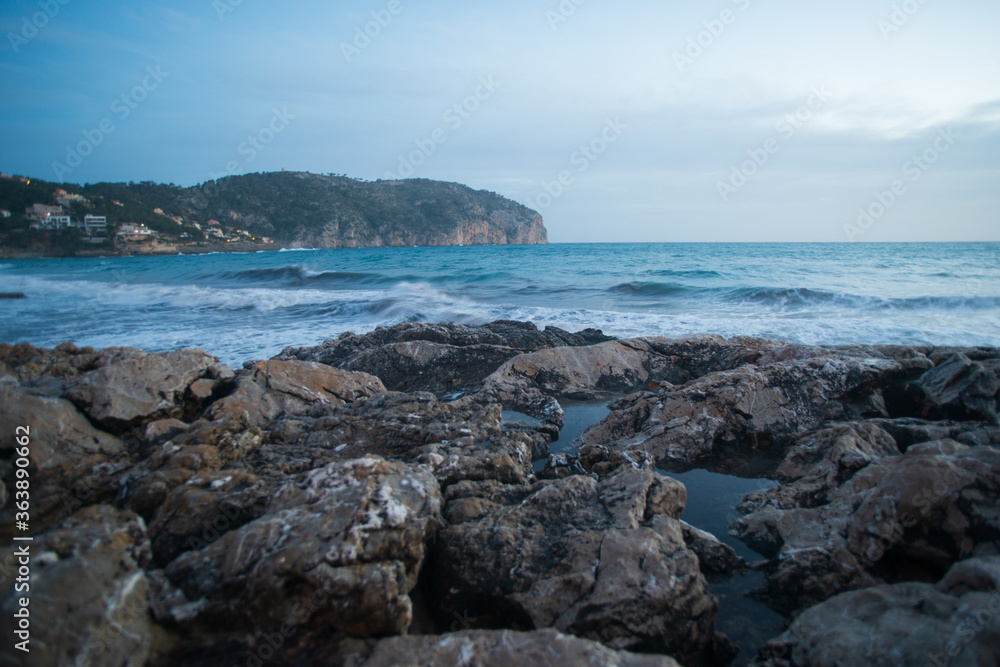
column 338, row 496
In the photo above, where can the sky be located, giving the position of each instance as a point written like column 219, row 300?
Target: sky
column 646, row 121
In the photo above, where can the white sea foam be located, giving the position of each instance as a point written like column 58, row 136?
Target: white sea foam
column 252, row 306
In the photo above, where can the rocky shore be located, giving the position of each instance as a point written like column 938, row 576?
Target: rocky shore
column 371, row 501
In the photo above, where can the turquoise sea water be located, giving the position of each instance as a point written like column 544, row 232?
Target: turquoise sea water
column 250, row 306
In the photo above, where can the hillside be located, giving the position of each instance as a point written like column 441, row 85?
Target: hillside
column 289, row 209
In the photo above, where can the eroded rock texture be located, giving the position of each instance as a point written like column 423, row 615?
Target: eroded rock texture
column 338, row 496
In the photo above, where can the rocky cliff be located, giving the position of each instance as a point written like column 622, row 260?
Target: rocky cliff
column 291, row 209
column 315, row 211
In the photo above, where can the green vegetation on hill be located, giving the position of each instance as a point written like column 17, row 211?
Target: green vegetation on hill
column 292, row 208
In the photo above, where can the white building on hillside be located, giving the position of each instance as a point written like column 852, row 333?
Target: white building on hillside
column 53, row 222
column 94, row 225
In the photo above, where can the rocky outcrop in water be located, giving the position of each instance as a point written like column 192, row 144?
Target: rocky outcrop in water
column 367, row 500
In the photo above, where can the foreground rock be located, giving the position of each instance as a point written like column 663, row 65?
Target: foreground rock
column 906, row 517
column 501, row 648
column 459, row 440
column 485, row 648
column 603, row 559
column 76, row 402
column 954, row 623
column 273, row 389
column 344, row 543
column 300, row 495
column 741, row 419
column 88, row 594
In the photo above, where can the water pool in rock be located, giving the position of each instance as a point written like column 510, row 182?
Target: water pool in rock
column 711, row 506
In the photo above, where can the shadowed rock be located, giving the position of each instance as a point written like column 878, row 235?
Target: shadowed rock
column 954, row 623
column 602, row 559
column 441, row 358
column 88, row 594
column 345, row 541
column 901, row 517
column 500, row 648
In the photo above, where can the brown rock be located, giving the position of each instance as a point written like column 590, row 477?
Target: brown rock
column 955, row 623
column 458, row 440
column 131, row 387
column 339, row 548
column 72, row 463
column 605, row 560
column 904, row 517
column 727, row 419
column 290, row 388
column 959, row 389
column 88, row 594
column 203, row 509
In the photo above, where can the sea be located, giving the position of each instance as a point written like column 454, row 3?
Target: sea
column 250, row 306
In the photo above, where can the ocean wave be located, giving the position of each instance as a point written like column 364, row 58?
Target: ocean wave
column 686, row 273
column 653, row 289
column 298, row 275
column 802, row 297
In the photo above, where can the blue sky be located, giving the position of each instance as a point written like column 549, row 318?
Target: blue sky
column 732, row 120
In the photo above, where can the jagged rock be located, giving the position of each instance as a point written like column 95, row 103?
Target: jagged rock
column 908, row 431
column 496, row 648
column 457, row 440
column 729, row 418
column 818, row 462
column 531, row 382
column 340, row 547
column 41, row 368
column 145, row 487
column 955, row 623
column 444, row 359
column 88, row 594
column 958, row 388
column 518, row 336
column 714, row 557
column 129, row 387
column 158, row 432
column 900, row 517
column 602, row 559
column 72, row 463
column 203, row 509
column 290, row 388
